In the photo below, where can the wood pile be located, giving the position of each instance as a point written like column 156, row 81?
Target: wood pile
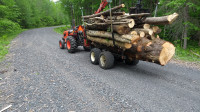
column 136, row 34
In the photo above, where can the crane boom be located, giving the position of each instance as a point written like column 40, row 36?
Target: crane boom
column 102, row 6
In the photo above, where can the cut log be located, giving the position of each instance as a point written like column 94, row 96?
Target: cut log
column 164, row 20
column 104, row 13
column 122, row 38
column 131, row 22
column 121, row 29
column 134, row 33
column 97, row 27
column 136, row 15
column 142, row 34
column 146, row 31
column 103, row 34
column 146, row 26
column 156, row 51
column 115, row 14
column 108, row 42
column 156, row 29
column 101, row 21
column 135, row 39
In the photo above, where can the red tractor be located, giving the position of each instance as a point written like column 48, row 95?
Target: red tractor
column 74, row 38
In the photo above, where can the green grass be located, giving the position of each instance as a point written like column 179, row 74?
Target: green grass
column 186, row 54
column 60, row 30
column 5, row 41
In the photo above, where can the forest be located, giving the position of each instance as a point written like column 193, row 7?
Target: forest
column 17, row 15
column 184, row 33
column 25, row 14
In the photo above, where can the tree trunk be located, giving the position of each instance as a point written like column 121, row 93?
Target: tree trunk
column 185, row 26
column 122, row 38
column 121, row 29
column 97, row 27
column 198, row 34
column 161, row 20
column 72, row 15
column 109, row 42
column 103, row 34
column 156, row 51
column 120, row 2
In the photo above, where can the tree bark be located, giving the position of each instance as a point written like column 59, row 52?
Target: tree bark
column 97, row 27
column 104, row 13
column 161, row 20
column 198, row 34
column 115, row 14
column 109, row 42
column 156, row 29
column 185, row 26
column 121, row 29
column 156, row 51
column 103, row 34
column 136, row 15
column 72, row 15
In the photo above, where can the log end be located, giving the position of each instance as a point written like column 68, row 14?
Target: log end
column 167, row 53
column 127, row 45
column 131, row 23
column 172, row 18
column 123, row 5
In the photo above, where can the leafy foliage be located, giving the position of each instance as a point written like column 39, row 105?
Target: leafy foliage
column 60, row 30
column 18, row 14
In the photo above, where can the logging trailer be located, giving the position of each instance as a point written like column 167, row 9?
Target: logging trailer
column 129, row 40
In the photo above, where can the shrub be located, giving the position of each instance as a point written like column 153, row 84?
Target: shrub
column 7, row 26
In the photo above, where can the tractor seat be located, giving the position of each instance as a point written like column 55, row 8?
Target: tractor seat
column 70, row 31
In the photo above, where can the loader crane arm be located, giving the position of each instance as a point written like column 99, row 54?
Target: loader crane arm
column 102, row 6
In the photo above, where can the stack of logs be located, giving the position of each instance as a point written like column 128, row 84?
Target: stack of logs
column 134, row 33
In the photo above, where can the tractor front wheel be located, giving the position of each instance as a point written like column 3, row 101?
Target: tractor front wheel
column 71, row 44
column 61, row 44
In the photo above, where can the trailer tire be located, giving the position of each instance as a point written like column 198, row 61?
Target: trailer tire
column 71, row 44
column 61, row 44
column 131, row 62
column 106, row 60
column 94, row 56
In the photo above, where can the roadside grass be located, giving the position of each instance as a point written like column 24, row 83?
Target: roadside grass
column 5, row 41
column 60, row 30
column 191, row 54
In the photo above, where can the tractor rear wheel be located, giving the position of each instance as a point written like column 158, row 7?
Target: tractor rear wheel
column 106, row 60
column 71, row 44
column 61, row 44
column 94, row 56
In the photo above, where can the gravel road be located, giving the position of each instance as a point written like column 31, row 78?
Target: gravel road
column 40, row 77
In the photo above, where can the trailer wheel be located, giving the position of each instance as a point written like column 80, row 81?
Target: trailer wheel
column 94, row 56
column 86, row 48
column 131, row 62
column 61, row 44
column 106, row 60
column 71, row 44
